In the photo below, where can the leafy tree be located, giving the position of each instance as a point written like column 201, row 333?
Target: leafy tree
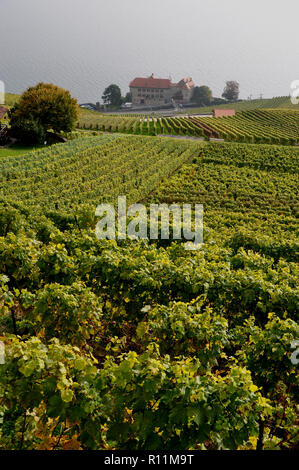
column 49, row 106
column 28, row 130
column 202, row 95
column 231, row 91
column 128, row 98
column 217, row 101
column 112, row 95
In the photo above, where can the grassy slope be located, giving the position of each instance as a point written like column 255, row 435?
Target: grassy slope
column 11, row 99
column 15, row 150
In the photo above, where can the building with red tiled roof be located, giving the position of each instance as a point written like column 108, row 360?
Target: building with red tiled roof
column 153, row 91
column 151, row 82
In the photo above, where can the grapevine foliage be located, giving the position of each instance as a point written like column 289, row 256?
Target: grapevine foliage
column 140, row 344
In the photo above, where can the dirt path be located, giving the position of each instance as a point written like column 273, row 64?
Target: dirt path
column 185, row 137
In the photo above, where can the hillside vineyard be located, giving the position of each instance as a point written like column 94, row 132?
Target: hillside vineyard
column 135, row 344
column 269, row 126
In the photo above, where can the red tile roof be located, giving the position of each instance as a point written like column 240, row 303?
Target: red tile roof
column 151, row 82
column 3, row 111
column 179, row 85
column 223, row 112
column 186, row 83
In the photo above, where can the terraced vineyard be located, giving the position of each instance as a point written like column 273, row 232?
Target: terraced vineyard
column 126, row 344
column 142, row 125
column 262, row 126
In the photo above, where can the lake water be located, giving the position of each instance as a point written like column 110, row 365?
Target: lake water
column 86, row 45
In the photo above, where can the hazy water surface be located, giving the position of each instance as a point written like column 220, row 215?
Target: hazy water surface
column 86, row 45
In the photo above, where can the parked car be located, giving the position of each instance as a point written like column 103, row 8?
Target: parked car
column 88, row 106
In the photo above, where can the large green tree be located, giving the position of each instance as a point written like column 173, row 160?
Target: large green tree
column 231, row 91
column 49, row 106
column 112, row 95
column 202, row 95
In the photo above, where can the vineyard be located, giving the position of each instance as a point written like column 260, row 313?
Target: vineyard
column 90, row 171
column 239, row 177
column 142, row 125
column 141, row 344
column 268, row 121
column 259, row 126
column 263, row 126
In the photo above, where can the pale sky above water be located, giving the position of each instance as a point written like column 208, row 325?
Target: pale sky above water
column 86, row 45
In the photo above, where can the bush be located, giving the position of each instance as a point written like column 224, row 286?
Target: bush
column 28, row 130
